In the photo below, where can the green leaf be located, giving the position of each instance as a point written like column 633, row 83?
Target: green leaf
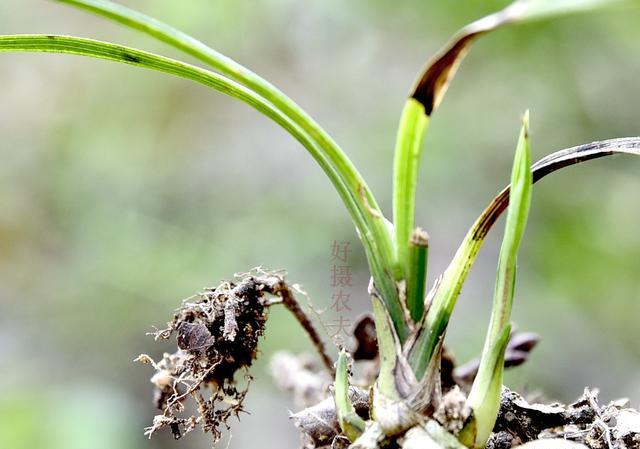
column 350, row 423
column 427, row 395
column 434, row 79
column 234, row 71
column 484, row 398
column 409, row 143
column 362, row 205
column 354, row 194
column 540, row 9
column 518, row 212
column 446, row 292
column 131, row 56
column 428, row 91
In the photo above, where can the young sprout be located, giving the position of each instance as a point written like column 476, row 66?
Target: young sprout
column 417, row 273
column 484, row 398
column 351, row 424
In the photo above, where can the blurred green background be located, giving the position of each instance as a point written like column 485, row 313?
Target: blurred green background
column 123, row 191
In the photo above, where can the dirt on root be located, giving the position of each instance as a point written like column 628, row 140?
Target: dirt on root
column 217, row 333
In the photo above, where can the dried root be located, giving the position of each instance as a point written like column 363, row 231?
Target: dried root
column 217, row 333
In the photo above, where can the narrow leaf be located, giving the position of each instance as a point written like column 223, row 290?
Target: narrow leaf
column 352, row 190
column 435, row 77
column 521, row 182
column 484, row 398
column 409, row 143
column 447, row 291
column 429, row 89
column 518, row 351
column 131, row 56
column 369, row 222
column 427, row 395
column 539, row 9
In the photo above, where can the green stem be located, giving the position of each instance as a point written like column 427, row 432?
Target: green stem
column 485, row 402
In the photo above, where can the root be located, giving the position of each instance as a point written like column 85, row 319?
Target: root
column 217, row 333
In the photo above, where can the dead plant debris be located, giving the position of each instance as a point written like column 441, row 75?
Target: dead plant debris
column 584, row 423
column 217, row 333
column 610, row 426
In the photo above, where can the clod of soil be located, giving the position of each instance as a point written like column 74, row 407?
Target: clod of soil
column 611, row 426
column 217, row 333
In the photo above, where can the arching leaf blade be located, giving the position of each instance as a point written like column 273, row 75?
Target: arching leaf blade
column 372, row 224
column 435, row 77
column 117, row 53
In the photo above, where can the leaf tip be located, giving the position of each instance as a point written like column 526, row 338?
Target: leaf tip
column 525, row 121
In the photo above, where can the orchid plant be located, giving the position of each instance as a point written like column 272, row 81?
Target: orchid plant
column 410, row 323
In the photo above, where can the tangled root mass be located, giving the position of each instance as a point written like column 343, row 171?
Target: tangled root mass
column 217, row 333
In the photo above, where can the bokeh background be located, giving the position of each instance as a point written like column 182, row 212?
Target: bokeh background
column 123, row 191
